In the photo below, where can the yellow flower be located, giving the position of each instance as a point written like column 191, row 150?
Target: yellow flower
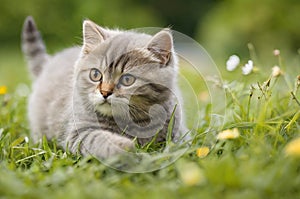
column 191, row 174
column 202, row 152
column 293, row 148
column 3, row 90
column 228, row 134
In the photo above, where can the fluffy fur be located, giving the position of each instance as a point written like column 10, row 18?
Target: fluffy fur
column 97, row 98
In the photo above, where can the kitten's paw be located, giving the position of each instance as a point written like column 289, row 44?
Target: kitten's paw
column 112, row 148
column 124, row 143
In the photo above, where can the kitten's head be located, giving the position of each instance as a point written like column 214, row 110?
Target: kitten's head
column 122, row 68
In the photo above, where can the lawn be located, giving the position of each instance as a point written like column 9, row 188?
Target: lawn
column 253, row 154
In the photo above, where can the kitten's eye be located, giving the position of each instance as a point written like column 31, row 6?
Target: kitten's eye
column 95, row 75
column 127, row 80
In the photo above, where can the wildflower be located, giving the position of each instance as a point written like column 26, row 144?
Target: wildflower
column 276, row 52
column 247, row 69
column 3, row 90
column 276, row 71
column 191, row 174
column 293, row 148
column 26, row 139
column 228, row 134
column 202, row 152
column 232, row 62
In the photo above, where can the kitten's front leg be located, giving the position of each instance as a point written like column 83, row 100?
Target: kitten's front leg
column 97, row 142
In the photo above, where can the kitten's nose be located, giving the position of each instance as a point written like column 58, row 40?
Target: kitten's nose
column 105, row 94
column 106, row 89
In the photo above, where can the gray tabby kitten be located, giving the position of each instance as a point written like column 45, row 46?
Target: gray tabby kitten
column 96, row 99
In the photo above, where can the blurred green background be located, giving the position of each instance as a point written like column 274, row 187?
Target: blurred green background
column 223, row 27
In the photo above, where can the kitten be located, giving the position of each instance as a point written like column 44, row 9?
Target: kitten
column 96, row 99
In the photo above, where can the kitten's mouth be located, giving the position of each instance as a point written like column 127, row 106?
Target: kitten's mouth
column 106, row 102
column 103, row 102
column 104, row 108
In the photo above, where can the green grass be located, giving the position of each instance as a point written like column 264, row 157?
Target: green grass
column 254, row 165
column 12, row 68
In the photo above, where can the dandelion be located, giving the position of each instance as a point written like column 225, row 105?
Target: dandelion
column 247, row 69
column 232, row 62
column 276, row 52
column 293, row 148
column 3, row 90
column 202, row 152
column 228, row 134
column 276, row 71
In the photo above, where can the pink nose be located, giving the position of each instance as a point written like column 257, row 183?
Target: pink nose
column 105, row 94
column 106, row 89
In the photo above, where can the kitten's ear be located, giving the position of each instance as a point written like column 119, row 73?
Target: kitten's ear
column 93, row 35
column 161, row 45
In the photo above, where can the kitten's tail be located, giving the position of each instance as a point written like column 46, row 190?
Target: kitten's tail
column 33, row 47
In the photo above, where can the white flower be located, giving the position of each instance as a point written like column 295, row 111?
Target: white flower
column 232, row 62
column 276, row 71
column 247, row 69
column 26, row 139
column 276, row 52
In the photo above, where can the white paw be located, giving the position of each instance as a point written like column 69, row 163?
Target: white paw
column 117, row 145
column 124, row 143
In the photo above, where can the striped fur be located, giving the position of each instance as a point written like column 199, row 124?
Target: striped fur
column 68, row 105
column 33, row 47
